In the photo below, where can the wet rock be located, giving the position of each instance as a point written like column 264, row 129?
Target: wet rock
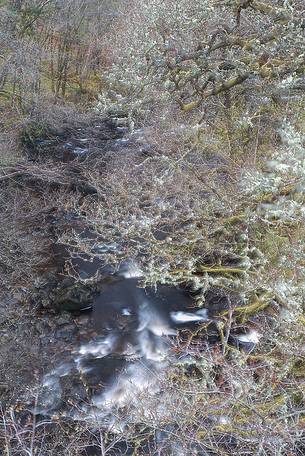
column 64, row 319
column 46, row 340
column 3, row 388
column 82, row 320
column 74, row 297
column 75, row 140
column 3, row 319
column 42, row 327
column 35, row 350
column 50, row 395
column 246, row 341
column 86, row 266
column 66, row 332
column 217, row 300
column 51, row 322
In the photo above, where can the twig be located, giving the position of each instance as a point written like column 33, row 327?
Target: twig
column 227, row 328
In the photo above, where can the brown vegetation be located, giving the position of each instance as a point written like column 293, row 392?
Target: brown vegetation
column 193, row 120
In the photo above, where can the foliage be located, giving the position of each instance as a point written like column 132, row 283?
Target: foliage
column 187, row 52
column 214, row 202
column 51, row 46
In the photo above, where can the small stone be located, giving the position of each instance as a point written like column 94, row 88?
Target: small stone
column 66, row 332
column 63, row 319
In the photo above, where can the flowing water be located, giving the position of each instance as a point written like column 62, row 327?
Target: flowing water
column 134, row 329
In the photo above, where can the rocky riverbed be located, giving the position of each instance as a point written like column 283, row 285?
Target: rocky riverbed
column 129, row 321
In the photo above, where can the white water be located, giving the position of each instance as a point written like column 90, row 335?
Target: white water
column 133, row 348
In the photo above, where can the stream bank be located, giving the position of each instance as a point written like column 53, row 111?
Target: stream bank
column 96, row 340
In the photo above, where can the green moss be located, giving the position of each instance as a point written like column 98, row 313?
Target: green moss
column 32, row 132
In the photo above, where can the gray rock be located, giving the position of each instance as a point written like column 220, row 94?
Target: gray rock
column 66, row 332
column 64, row 319
column 50, row 395
column 73, row 297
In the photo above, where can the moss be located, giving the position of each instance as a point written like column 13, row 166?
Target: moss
column 273, row 245
column 32, row 132
column 220, row 270
column 298, row 368
column 256, row 305
column 234, row 219
column 192, row 105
